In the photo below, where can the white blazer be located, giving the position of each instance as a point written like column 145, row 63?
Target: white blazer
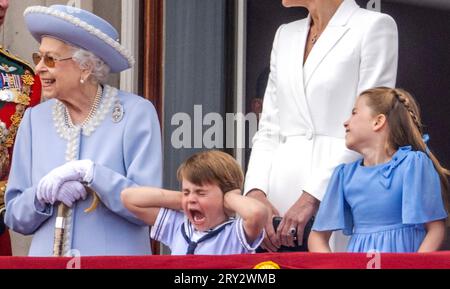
column 301, row 137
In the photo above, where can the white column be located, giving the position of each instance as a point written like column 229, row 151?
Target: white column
column 130, row 39
column 241, row 39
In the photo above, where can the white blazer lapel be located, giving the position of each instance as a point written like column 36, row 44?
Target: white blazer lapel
column 297, row 52
column 323, row 46
column 335, row 30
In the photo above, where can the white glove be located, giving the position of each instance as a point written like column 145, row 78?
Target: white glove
column 70, row 192
column 49, row 186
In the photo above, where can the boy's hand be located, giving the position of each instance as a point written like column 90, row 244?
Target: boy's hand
column 271, row 242
column 228, row 210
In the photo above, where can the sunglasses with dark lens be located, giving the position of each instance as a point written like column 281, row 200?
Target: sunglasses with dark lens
column 49, row 61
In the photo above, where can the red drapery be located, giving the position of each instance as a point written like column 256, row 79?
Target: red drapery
column 439, row 260
column 5, row 245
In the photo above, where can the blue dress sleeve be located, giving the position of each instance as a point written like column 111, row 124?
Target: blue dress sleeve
column 24, row 214
column 142, row 159
column 334, row 212
column 422, row 198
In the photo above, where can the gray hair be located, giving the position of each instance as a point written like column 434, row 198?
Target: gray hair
column 88, row 60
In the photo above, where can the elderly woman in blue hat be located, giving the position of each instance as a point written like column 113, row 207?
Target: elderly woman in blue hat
column 84, row 145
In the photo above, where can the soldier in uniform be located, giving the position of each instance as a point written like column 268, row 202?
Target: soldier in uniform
column 19, row 89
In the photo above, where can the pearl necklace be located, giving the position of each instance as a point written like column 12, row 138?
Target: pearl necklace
column 63, row 128
column 91, row 114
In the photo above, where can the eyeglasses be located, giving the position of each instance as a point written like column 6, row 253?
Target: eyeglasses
column 49, row 61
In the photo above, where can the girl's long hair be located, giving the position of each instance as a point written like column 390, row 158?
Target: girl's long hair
column 405, row 125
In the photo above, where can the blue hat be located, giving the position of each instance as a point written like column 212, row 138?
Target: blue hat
column 81, row 29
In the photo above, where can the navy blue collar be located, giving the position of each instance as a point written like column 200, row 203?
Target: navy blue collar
column 210, row 234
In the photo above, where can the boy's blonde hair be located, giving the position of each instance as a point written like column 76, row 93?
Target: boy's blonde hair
column 212, row 167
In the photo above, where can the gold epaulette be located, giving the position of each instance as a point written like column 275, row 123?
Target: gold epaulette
column 2, row 193
column 8, row 54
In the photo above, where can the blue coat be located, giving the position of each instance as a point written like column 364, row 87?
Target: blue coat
column 126, row 154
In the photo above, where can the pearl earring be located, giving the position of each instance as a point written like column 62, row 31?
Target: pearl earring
column 82, row 81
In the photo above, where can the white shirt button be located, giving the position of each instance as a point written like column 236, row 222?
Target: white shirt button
column 309, row 135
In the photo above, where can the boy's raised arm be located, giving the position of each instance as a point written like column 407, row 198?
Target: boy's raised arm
column 146, row 202
column 253, row 213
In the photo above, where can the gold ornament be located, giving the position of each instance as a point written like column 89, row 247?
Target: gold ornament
column 15, row 122
column 267, row 265
column 28, row 78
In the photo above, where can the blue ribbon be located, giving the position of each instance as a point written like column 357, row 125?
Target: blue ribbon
column 386, row 172
column 425, row 139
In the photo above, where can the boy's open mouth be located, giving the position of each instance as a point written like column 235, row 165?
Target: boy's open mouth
column 196, row 216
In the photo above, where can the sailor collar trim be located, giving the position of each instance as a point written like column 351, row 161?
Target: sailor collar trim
column 190, row 229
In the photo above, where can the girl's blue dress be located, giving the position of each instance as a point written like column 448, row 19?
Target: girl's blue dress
column 383, row 207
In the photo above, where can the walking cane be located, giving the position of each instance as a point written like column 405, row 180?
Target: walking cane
column 58, row 241
column 60, row 224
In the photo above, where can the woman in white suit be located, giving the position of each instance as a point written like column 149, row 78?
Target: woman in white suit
column 318, row 66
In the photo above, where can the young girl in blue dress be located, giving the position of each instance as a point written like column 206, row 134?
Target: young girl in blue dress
column 392, row 199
